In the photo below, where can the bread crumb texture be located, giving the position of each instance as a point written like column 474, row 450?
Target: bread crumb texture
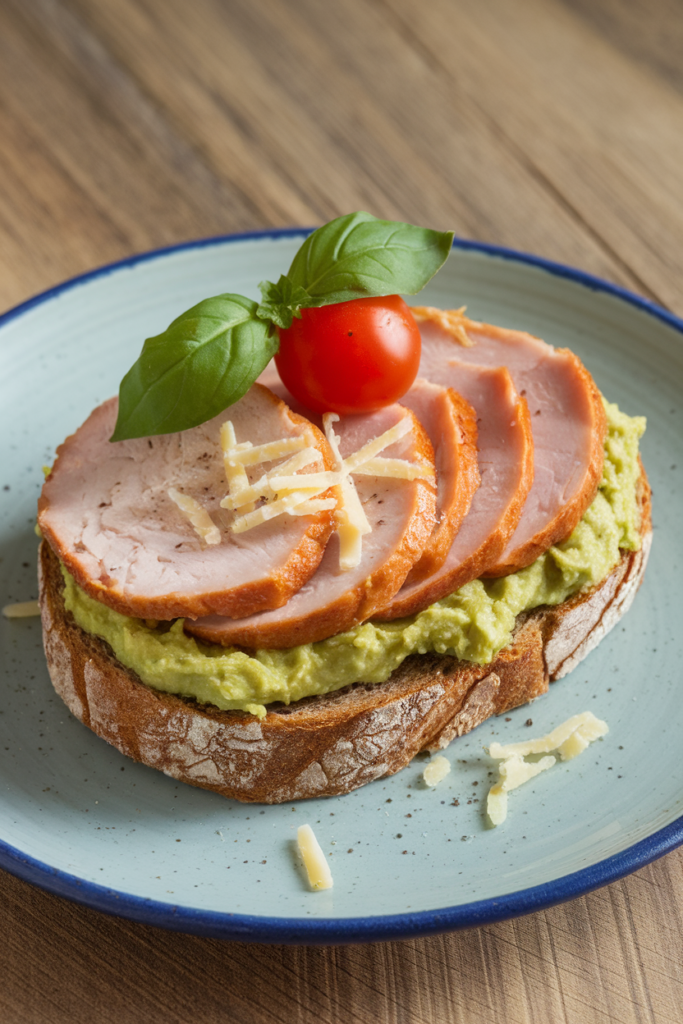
column 473, row 624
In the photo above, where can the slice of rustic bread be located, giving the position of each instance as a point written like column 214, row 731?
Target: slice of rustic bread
column 323, row 746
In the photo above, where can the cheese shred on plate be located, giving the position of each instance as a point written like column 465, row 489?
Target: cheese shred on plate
column 315, row 862
column 566, row 741
column 21, row 610
column 437, row 769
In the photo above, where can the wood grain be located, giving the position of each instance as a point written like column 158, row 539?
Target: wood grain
column 611, row 956
column 550, row 126
column 604, row 132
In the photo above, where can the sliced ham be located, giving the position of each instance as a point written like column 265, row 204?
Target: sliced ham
column 506, row 468
column 568, row 422
column 402, row 516
column 451, row 426
column 105, row 510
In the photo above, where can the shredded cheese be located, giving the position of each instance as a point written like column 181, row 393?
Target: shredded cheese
column 263, row 487
column 306, row 457
column 513, row 772
column 21, row 610
column 398, row 469
column 313, row 506
column 352, row 523
column 284, row 484
column 255, row 454
column 567, row 740
column 243, row 499
column 274, row 508
column 588, row 725
column 450, row 319
column 378, row 444
column 285, row 491
column 437, row 769
column 282, row 490
column 235, row 473
column 315, row 862
column 198, row 517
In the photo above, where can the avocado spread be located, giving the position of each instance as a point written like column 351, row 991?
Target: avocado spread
column 473, row 624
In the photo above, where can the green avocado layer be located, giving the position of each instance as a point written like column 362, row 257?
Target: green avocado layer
column 474, row 623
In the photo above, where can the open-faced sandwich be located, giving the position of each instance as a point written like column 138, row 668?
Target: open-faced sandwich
column 284, row 581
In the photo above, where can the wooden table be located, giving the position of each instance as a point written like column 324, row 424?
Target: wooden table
column 549, row 126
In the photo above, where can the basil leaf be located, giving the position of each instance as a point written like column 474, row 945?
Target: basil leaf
column 358, row 255
column 281, row 302
column 207, row 359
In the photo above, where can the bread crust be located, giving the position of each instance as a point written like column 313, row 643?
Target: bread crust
column 330, row 745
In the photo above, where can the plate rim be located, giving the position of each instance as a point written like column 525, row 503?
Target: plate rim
column 330, row 930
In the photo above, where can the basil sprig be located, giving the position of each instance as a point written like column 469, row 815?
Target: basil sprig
column 211, row 355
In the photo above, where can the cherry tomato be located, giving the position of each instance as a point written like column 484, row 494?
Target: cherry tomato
column 351, row 357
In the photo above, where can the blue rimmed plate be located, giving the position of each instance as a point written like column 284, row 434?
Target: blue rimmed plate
column 79, row 819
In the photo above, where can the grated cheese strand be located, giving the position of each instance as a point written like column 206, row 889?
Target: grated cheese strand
column 374, row 447
column 269, row 451
column 21, row 610
column 235, row 473
column 243, row 500
column 513, row 772
column 554, row 740
column 283, row 483
column 306, row 457
column 567, row 740
column 274, row 509
column 286, row 492
column 437, row 769
column 398, row 469
column 312, row 506
column 352, row 523
column 583, row 735
column 497, row 805
column 263, row 489
column 198, row 517
column 451, row 320
column 315, row 862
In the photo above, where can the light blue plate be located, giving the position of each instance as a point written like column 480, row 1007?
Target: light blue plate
column 79, row 819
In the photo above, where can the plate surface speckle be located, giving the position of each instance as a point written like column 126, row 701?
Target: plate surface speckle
column 80, row 819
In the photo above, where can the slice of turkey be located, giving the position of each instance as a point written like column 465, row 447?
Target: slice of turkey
column 402, row 516
column 506, row 467
column 106, row 512
column 451, row 425
column 568, row 421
